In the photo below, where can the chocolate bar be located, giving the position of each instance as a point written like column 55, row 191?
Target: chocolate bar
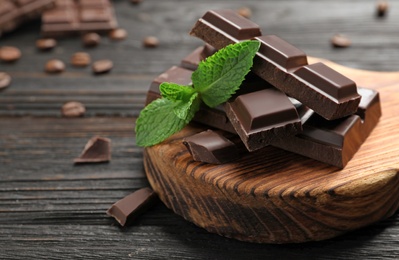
column 260, row 116
column 132, row 206
column 13, row 13
column 71, row 17
column 283, row 65
column 334, row 142
column 210, row 147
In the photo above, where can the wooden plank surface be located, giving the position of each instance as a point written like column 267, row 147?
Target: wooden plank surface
column 51, row 209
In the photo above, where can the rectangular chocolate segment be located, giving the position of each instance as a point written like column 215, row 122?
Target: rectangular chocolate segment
column 130, row 207
column 78, row 16
column 276, row 63
column 211, row 147
column 335, row 142
column 258, row 117
column 14, row 13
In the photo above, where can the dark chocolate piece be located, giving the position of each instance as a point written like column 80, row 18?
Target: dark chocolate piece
column 335, row 142
column 97, row 150
column 70, row 17
column 258, row 117
column 132, row 206
column 192, row 60
column 13, row 13
column 210, row 147
column 276, row 61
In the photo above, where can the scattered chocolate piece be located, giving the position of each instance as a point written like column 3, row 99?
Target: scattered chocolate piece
column 136, row 2
column 245, row 12
column 73, row 109
column 97, row 150
column 102, row 66
column 14, row 13
column 150, row 42
column 5, row 80
column 118, row 34
column 132, row 206
column 382, row 8
column 9, row 54
column 340, row 41
column 91, row 39
column 46, row 44
column 278, row 61
column 54, row 66
column 70, row 17
column 260, row 116
column 80, row 59
column 210, row 147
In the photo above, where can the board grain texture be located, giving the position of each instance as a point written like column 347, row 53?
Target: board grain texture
column 51, row 209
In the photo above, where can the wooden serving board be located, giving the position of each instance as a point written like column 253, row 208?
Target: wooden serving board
column 274, row 196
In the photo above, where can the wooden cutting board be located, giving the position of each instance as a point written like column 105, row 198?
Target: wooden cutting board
column 274, row 196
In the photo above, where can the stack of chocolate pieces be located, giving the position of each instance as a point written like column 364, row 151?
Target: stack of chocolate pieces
column 311, row 110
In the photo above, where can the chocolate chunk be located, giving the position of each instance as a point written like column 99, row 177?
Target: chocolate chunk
column 192, row 60
column 102, row 66
column 91, row 39
column 5, row 80
column 258, row 117
column 80, row 59
column 54, row 66
column 70, row 17
column 207, row 51
column 118, row 34
column 275, row 62
column 210, row 147
column 97, row 150
column 73, row 109
column 150, row 42
column 132, row 206
column 14, row 13
column 340, row 41
column 9, row 54
column 46, row 44
column 335, row 142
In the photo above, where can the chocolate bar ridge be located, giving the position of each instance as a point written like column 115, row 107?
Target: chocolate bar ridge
column 277, row 61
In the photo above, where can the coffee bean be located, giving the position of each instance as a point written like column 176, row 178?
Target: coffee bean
column 46, row 44
column 54, row 66
column 73, row 109
column 5, row 80
column 118, row 34
column 340, row 41
column 245, row 12
column 91, row 39
column 150, row 42
column 102, row 66
column 382, row 8
column 9, row 54
column 80, row 59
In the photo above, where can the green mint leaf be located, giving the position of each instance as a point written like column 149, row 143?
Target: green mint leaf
column 156, row 122
column 220, row 75
column 187, row 110
column 176, row 92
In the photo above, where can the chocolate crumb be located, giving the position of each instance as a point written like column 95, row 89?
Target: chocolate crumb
column 97, row 150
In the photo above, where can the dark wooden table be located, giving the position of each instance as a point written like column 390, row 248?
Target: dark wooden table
column 52, row 209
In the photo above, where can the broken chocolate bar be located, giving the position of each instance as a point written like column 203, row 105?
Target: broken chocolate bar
column 210, row 147
column 334, row 142
column 278, row 61
column 260, row 116
column 71, row 17
column 13, row 13
column 97, row 150
column 132, row 206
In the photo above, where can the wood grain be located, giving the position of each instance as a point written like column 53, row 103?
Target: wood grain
column 273, row 196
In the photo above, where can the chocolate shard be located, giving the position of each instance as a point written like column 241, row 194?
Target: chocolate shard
column 334, row 142
column 14, row 13
column 211, row 147
column 71, row 17
column 97, row 150
column 258, row 117
column 132, row 206
column 276, row 63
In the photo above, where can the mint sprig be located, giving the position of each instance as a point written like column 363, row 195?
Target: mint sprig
column 216, row 79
